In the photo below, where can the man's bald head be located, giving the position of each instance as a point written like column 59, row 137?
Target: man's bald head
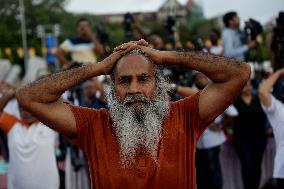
column 134, row 53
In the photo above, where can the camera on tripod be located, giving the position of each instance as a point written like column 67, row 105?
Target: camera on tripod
column 252, row 29
column 277, row 47
column 102, row 34
column 170, row 24
column 127, row 24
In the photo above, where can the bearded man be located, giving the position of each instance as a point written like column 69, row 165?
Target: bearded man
column 143, row 141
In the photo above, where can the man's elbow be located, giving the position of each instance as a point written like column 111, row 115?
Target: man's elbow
column 22, row 96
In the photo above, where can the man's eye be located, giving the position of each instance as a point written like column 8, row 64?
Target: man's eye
column 123, row 81
column 144, row 79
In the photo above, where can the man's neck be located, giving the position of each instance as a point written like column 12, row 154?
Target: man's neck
column 232, row 28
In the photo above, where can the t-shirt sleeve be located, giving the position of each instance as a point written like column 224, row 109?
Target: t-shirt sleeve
column 85, row 119
column 190, row 108
column 12, row 108
column 7, row 121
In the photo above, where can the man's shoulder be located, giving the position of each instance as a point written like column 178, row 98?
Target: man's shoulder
column 76, row 40
column 190, row 103
column 88, row 112
column 12, row 108
column 188, row 99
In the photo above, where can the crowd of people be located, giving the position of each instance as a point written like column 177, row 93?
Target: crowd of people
column 146, row 116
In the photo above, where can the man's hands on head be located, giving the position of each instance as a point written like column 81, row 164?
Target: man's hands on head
column 155, row 55
column 132, row 45
column 109, row 62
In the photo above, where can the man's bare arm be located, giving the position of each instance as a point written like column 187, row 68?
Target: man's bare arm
column 42, row 97
column 229, row 77
column 266, row 87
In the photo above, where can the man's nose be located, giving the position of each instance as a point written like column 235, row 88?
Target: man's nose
column 134, row 88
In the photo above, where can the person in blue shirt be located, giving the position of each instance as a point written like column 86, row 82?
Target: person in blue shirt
column 231, row 37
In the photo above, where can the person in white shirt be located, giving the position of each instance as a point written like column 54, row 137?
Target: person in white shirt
column 274, row 110
column 32, row 163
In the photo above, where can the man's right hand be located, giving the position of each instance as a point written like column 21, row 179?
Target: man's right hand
column 109, row 62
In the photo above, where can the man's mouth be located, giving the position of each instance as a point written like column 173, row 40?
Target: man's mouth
column 135, row 100
column 135, row 103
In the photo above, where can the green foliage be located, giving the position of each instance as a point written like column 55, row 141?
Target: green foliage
column 116, row 34
column 44, row 12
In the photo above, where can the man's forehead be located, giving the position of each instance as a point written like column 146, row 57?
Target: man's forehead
column 133, row 64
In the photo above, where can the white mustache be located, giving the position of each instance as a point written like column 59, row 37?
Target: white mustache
column 137, row 98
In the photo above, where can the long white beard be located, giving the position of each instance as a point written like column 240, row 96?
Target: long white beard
column 138, row 125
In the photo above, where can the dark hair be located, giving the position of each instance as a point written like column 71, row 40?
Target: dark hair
column 82, row 20
column 228, row 17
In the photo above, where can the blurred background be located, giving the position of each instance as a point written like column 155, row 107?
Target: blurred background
column 37, row 27
column 40, row 37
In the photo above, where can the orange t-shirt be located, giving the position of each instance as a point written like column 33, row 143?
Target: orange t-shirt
column 176, row 168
